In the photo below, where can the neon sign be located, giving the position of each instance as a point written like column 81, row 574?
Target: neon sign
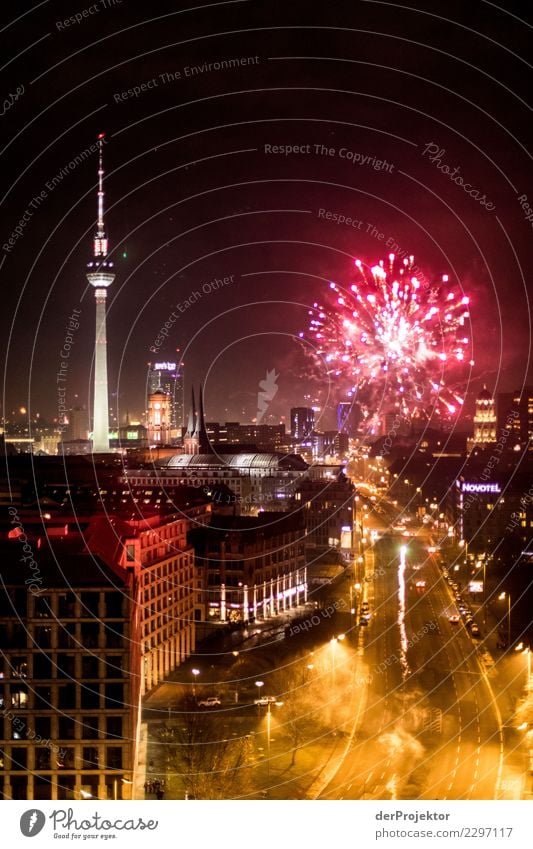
column 165, row 366
column 480, row 487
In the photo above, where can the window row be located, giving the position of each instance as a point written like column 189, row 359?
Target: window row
column 88, row 635
column 53, row 756
column 85, row 605
column 59, row 665
column 67, row 787
column 63, row 697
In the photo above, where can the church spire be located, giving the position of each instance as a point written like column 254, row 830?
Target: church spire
column 201, row 431
column 191, row 423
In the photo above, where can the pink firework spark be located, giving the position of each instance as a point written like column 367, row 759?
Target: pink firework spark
column 392, row 339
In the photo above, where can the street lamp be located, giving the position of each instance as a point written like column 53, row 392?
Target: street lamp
column 502, row 597
column 195, row 673
column 269, row 726
column 483, row 564
column 333, row 643
column 527, row 652
column 259, row 684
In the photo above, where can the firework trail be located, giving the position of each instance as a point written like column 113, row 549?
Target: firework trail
column 391, row 339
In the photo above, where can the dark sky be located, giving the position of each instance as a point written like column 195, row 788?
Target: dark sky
column 194, row 197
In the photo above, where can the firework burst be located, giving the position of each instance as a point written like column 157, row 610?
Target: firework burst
column 393, row 338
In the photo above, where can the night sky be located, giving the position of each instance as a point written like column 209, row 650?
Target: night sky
column 194, row 196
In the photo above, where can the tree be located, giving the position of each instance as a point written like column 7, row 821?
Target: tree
column 211, row 767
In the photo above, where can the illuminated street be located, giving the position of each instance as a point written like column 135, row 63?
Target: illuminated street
column 407, row 698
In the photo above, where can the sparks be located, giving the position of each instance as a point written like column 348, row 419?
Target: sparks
column 392, row 338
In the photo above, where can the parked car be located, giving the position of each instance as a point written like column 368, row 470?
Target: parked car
column 211, row 701
column 474, row 630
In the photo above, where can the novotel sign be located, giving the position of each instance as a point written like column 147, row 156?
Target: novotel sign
column 480, row 487
column 165, row 366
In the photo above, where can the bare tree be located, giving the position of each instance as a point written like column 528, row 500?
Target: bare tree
column 211, row 767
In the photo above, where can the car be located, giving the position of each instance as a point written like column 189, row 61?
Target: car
column 365, row 606
column 454, row 618
column 463, row 609
column 420, row 584
column 265, row 700
column 211, row 701
column 469, row 620
column 474, row 630
column 363, row 621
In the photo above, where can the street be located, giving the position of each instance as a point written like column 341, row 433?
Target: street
column 374, row 692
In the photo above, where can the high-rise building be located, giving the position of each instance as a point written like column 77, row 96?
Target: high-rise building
column 302, row 422
column 100, row 276
column 515, row 414
column 69, row 665
column 484, row 420
column 168, row 376
column 348, row 417
column 159, row 413
column 78, row 424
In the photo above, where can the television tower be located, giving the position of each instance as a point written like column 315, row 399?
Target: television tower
column 100, row 275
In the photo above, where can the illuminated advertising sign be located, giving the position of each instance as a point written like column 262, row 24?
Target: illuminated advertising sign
column 475, row 586
column 165, row 366
column 481, row 487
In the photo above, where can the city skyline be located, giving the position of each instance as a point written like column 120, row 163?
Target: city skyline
column 164, row 260
column 266, row 511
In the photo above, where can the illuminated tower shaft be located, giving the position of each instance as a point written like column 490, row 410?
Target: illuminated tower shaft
column 100, row 276
column 101, row 399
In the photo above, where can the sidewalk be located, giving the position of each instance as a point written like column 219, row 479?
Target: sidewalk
column 507, row 672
